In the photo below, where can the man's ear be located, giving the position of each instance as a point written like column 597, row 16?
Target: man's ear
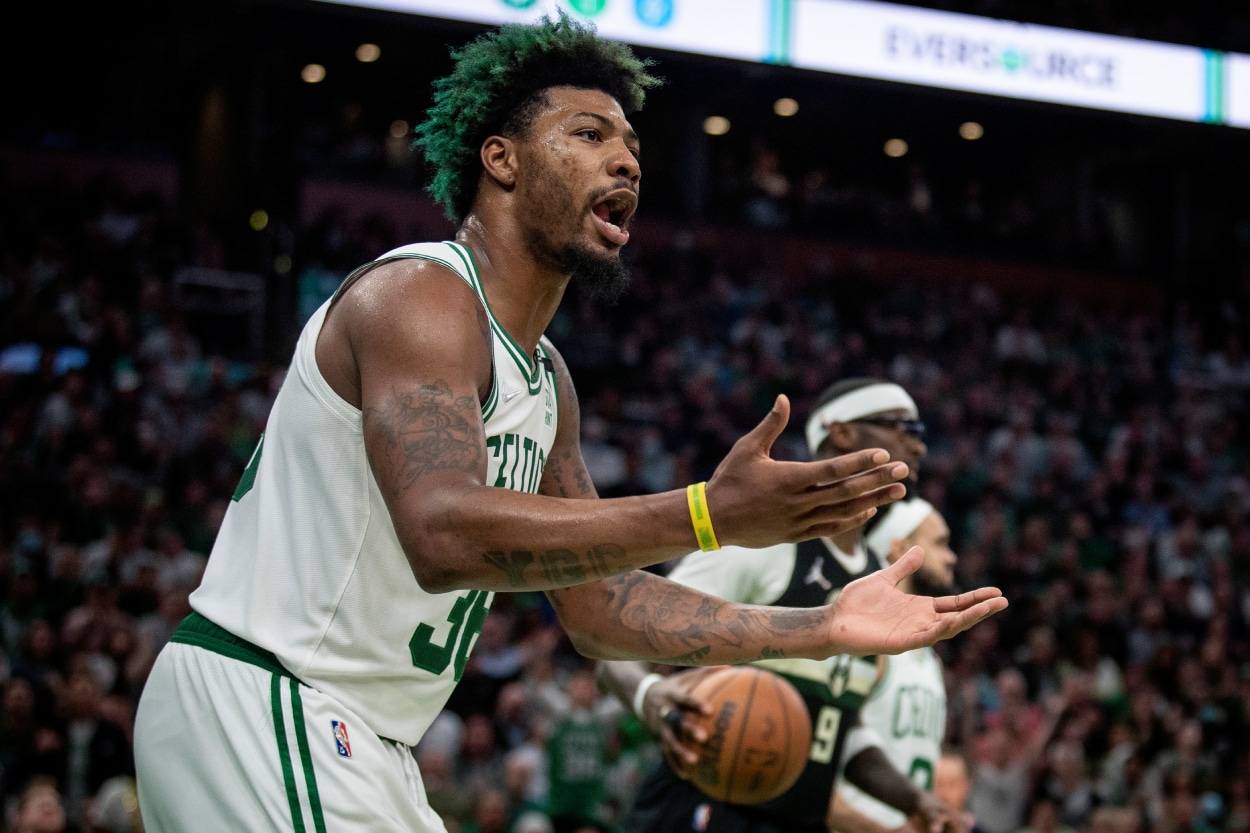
column 843, row 438
column 499, row 160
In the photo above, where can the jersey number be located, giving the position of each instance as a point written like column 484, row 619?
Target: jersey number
column 435, row 658
column 921, row 774
column 825, row 734
column 249, row 473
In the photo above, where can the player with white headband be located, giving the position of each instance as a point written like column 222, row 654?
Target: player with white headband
column 850, row 415
column 906, row 712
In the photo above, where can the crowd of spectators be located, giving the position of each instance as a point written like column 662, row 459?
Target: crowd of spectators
column 1091, row 459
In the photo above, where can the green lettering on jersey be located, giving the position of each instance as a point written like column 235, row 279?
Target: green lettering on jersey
column 918, row 713
column 249, row 474
column 521, row 461
column 435, row 658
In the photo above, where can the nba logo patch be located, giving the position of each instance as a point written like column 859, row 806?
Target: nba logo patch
column 702, row 815
column 340, row 738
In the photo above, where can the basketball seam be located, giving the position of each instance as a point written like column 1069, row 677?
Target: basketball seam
column 742, row 730
column 780, row 695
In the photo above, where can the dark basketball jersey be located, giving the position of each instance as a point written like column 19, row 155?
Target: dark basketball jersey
column 803, row 575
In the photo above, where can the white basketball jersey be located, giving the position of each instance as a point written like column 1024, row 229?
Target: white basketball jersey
column 908, row 711
column 307, row 564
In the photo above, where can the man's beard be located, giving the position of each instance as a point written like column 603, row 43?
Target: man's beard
column 600, row 277
column 922, row 584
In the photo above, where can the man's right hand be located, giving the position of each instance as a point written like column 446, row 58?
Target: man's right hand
column 676, row 717
column 756, row 501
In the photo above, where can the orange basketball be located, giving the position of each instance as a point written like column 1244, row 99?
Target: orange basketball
column 759, row 734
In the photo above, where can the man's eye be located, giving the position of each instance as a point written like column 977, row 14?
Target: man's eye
column 589, row 133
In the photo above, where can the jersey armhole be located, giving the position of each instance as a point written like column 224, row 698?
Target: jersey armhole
column 486, row 403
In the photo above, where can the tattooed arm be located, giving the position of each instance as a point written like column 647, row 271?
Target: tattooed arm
column 641, row 616
column 409, row 345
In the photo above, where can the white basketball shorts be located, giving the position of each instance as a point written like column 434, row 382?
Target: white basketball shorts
column 227, row 740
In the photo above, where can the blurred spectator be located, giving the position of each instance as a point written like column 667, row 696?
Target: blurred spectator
column 577, row 750
column 95, row 749
column 448, row 796
column 39, row 809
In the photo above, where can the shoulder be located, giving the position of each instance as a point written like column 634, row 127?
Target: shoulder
column 403, row 285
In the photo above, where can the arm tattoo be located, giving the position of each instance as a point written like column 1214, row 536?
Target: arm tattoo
column 560, row 466
column 429, row 429
column 558, row 567
column 660, row 613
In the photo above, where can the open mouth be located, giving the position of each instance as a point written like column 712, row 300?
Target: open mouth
column 612, row 213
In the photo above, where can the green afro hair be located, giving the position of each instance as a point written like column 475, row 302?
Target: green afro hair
column 497, row 84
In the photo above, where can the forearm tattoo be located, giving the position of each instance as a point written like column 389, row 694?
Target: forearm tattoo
column 426, row 430
column 558, row 567
column 659, row 613
column 569, row 476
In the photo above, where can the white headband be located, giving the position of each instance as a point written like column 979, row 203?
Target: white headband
column 899, row 521
column 859, row 403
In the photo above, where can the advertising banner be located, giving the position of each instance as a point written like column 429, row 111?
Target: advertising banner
column 738, row 29
column 962, row 52
column 892, row 42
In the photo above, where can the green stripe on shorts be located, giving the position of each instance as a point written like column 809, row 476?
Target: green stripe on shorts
column 284, row 754
column 310, row 777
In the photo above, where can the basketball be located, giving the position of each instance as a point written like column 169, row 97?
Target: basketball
column 758, row 735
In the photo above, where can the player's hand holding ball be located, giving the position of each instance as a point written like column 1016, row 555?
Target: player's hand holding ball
column 676, row 716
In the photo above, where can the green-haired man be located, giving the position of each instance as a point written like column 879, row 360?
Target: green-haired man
column 422, row 454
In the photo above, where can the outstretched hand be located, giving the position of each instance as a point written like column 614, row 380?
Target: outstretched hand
column 756, row 501
column 872, row 616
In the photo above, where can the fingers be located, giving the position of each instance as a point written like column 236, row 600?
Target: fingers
column 952, row 604
column 830, row 519
column 681, row 736
column 951, row 624
column 863, row 481
column 846, row 465
column 910, row 563
column 760, row 439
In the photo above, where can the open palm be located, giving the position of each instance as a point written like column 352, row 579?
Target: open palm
column 872, row 616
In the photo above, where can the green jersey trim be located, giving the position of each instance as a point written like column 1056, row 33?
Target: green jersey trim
column 198, row 631
column 531, row 370
column 488, row 407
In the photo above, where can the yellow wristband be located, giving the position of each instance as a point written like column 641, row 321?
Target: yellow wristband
column 696, row 499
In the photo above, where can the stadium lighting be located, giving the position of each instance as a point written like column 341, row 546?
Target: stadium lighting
column 313, row 73
column 895, row 148
column 716, row 125
column 367, row 53
column 971, row 131
column 785, row 107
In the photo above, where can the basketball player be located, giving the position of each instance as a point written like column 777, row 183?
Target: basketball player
column 422, row 454
column 849, row 415
column 907, row 708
